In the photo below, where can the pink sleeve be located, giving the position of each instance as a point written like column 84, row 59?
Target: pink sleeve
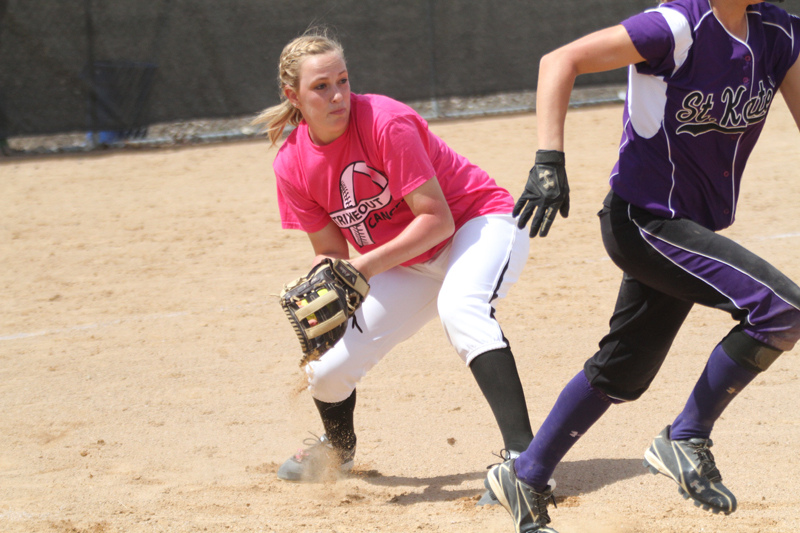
column 404, row 150
column 297, row 210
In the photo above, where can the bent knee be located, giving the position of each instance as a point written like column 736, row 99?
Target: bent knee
column 780, row 333
column 748, row 352
column 619, row 393
column 472, row 329
column 450, row 308
column 330, row 383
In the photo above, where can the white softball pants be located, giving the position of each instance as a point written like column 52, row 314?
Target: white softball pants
column 482, row 261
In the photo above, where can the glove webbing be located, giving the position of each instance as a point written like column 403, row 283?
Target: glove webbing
column 315, row 305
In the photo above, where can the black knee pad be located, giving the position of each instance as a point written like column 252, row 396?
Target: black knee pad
column 748, row 352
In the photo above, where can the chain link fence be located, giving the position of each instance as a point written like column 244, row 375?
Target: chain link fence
column 88, row 73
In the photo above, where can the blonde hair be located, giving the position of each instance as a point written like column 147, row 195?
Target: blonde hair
column 313, row 42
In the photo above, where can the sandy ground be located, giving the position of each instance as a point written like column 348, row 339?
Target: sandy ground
column 149, row 381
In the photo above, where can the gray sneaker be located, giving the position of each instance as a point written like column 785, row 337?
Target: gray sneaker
column 527, row 507
column 691, row 465
column 318, row 462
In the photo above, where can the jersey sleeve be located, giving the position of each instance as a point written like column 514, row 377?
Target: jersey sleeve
column 404, row 146
column 297, row 210
column 786, row 45
column 662, row 37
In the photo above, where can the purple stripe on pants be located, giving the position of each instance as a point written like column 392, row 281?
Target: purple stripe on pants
column 770, row 318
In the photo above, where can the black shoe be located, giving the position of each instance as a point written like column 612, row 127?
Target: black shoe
column 527, row 507
column 488, row 498
column 691, row 465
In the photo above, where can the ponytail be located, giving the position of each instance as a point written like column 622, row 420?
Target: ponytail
column 276, row 118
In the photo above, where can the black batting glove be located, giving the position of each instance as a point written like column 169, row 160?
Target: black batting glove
column 547, row 192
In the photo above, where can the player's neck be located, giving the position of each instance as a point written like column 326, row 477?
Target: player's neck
column 732, row 14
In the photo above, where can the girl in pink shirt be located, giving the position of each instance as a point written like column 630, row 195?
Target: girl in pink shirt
column 433, row 234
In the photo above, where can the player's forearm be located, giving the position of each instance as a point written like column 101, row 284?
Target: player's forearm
column 329, row 243
column 422, row 234
column 556, row 79
column 607, row 49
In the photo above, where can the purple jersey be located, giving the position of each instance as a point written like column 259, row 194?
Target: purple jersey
column 695, row 108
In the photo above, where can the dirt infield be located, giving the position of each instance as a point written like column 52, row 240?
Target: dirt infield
column 149, row 380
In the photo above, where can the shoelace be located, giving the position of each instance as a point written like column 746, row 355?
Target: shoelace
column 504, row 456
column 539, row 501
column 309, row 443
column 312, row 443
column 708, row 466
column 541, row 507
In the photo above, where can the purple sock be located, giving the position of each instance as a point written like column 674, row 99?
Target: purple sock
column 578, row 407
column 721, row 381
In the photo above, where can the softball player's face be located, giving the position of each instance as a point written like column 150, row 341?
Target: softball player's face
column 323, row 96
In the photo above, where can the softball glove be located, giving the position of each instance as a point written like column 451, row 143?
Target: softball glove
column 320, row 304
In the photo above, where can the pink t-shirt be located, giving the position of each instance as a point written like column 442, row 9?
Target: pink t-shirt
column 359, row 180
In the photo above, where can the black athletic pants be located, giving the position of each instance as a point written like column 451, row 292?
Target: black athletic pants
column 669, row 265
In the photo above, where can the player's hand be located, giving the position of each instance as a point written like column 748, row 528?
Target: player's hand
column 547, row 192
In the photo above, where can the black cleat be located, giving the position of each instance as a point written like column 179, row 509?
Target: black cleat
column 527, row 507
column 691, row 465
column 488, row 498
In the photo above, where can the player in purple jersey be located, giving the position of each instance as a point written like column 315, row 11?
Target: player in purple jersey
column 702, row 76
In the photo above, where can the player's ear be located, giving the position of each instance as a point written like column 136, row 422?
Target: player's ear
column 291, row 95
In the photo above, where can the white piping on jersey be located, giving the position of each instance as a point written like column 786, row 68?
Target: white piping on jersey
column 623, row 143
column 710, row 12
column 643, row 232
column 739, row 137
column 789, row 33
column 647, row 94
column 733, row 179
column 672, row 173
